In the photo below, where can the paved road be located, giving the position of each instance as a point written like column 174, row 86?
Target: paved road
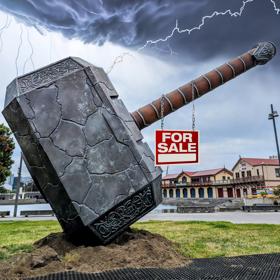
column 234, row 217
column 237, row 217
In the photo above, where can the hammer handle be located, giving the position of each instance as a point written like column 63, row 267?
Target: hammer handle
column 185, row 94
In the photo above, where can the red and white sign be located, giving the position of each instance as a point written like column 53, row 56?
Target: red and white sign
column 176, row 147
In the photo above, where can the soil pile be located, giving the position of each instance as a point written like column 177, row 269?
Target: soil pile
column 132, row 249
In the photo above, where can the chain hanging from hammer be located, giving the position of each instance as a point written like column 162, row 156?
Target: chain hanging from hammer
column 193, row 118
column 193, row 108
column 162, row 112
column 162, row 109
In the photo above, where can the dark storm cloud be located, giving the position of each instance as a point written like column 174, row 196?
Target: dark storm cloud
column 131, row 23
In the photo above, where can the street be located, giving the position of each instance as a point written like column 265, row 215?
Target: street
column 237, row 217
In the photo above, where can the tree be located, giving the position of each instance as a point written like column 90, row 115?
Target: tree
column 3, row 190
column 7, row 147
column 276, row 190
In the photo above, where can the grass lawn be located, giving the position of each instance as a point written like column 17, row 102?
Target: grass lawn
column 193, row 239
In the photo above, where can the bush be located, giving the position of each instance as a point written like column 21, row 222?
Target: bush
column 7, row 146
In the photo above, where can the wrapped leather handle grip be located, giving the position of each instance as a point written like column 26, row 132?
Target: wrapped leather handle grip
column 183, row 95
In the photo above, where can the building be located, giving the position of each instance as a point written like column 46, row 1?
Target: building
column 258, row 171
column 23, row 181
column 247, row 176
column 10, row 180
column 213, row 183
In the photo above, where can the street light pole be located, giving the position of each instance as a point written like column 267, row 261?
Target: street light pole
column 272, row 117
column 18, row 185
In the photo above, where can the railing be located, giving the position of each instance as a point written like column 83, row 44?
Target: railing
column 247, row 179
column 223, row 182
column 183, row 184
column 218, row 182
column 203, row 183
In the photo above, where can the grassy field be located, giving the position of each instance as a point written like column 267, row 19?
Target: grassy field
column 193, row 239
column 19, row 236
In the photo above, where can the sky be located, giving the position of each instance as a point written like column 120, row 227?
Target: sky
column 158, row 45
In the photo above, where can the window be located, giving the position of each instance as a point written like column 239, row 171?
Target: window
column 195, row 180
column 277, row 172
column 201, row 192
column 237, row 175
column 164, row 193
column 249, row 174
column 258, row 172
column 224, row 178
column 242, row 174
column 185, row 193
column 220, row 192
column 171, row 193
column 177, row 193
column 230, row 192
column 184, row 179
column 210, row 192
column 238, row 194
column 192, row 193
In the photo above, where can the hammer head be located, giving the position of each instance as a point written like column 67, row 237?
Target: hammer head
column 82, row 148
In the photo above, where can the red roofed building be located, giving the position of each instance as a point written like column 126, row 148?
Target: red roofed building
column 200, row 184
column 247, row 175
column 265, row 169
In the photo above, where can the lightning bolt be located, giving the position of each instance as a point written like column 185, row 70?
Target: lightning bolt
column 18, row 50
column 228, row 12
column 178, row 30
column 118, row 59
column 5, row 26
column 30, row 58
column 277, row 10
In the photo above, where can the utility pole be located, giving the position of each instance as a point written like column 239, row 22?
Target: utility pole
column 18, row 185
column 166, row 172
column 272, row 117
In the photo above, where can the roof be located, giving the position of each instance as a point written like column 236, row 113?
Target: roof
column 261, row 161
column 174, row 176
column 188, row 173
column 170, row 176
column 258, row 161
column 208, row 172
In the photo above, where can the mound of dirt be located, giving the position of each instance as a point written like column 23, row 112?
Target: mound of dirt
column 54, row 253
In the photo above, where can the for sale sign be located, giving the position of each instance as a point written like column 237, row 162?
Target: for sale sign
column 176, row 147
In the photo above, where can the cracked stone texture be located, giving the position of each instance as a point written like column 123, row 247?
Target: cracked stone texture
column 81, row 146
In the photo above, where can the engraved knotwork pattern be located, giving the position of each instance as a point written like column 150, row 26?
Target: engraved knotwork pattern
column 264, row 52
column 47, row 75
column 138, row 204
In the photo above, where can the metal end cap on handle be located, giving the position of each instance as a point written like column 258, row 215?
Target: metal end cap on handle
column 263, row 52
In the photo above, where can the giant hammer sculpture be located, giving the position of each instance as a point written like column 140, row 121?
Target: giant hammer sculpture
column 84, row 150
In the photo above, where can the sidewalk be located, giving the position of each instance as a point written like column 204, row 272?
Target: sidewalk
column 237, row 217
